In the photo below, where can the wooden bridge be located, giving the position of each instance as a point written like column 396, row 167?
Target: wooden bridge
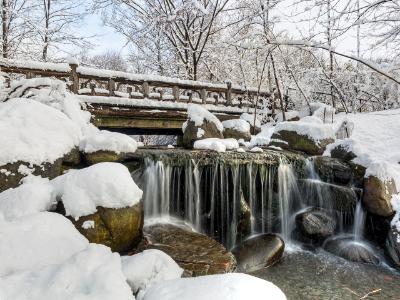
column 138, row 103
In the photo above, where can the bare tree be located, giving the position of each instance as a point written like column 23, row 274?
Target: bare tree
column 110, row 60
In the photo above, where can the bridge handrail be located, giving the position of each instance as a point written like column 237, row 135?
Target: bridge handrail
column 80, row 76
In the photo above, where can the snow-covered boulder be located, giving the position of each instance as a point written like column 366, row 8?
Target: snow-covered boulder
column 92, row 274
column 218, row 145
column 263, row 138
column 237, row 129
column 309, row 136
column 147, row 268
column 215, row 287
column 255, row 123
column 35, row 241
column 377, row 195
column 201, row 124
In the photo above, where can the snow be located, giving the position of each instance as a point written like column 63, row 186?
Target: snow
column 108, row 141
column 104, row 184
column 264, row 137
column 237, row 125
column 313, row 130
column 233, row 286
column 256, row 150
column 93, row 273
column 35, row 241
column 88, row 224
column 25, row 122
column 215, row 144
column 396, row 206
column 288, row 115
column 324, row 112
column 72, row 60
column 249, row 118
column 198, row 114
column 200, row 133
column 170, row 147
column 148, row 268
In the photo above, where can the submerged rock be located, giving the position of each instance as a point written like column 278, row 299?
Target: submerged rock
column 332, row 170
column 393, row 246
column 348, row 248
column 316, row 223
column 291, row 140
column 120, row 229
column 192, row 133
column 196, row 253
column 258, row 252
column 378, row 195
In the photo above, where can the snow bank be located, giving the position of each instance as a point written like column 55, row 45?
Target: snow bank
column 148, row 268
column 198, row 114
column 313, row 130
column 249, row 118
column 104, row 184
column 35, row 133
column 324, row 112
column 81, row 191
column 108, row 141
column 238, row 125
column 35, row 241
column 233, row 286
column 288, row 115
column 94, row 273
column 215, row 144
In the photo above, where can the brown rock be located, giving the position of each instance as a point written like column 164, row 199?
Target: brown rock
column 191, row 130
column 103, row 156
column 236, row 134
column 377, row 196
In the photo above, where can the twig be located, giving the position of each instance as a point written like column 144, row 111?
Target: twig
column 374, row 292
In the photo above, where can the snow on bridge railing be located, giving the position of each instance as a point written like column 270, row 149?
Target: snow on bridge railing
column 99, row 82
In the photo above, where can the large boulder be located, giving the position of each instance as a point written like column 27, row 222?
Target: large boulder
column 258, row 252
column 192, row 132
column 352, row 250
column 291, row 140
column 196, row 253
column 332, row 170
column 316, row 223
column 377, row 196
column 393, row 245
column 237, row 129
column 120, row 229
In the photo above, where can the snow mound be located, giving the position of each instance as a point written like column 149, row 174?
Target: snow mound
column 215, row 144
column 313, row 130
column 263, row 138
column 233, row 286
column 94, row 273
column 237, row 125
column 35, row 133
column 148, row 268
column 249, row 118
column 108, row 141
column 104, row 184
column 35, row 241
column 199, row 114
column 322, row 111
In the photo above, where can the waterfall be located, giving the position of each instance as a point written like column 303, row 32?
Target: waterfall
column 359, row 222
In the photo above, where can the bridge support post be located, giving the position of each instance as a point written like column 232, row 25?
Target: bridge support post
column 175, row 93
column 203, row 95
column 111, row 87
column 145, row 89
column 74, row 79
column 229, row 93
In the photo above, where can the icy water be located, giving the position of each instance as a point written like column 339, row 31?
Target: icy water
column 321, row 276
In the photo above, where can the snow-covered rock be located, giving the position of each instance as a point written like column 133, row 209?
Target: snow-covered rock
column 234, row 286
column 237, row 129
column 219, row 145
column 93, row 273
column 35, row 241
column 103, row 140
column 148, row 268
column 263, row 138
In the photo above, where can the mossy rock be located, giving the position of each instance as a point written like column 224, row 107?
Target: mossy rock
column 72, row 158
column 103, row 156
column 120, row 229
column 230, row 133
column 291, row 140
column 377, row 196
column 191, row 130
column 10, row 177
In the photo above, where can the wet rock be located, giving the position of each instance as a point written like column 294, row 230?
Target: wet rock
column 258, row 252
column 332, row 170
column 341, row 152
column 244, row 223
column 103, row 156
column 193, row 133
column 291, row 140
column 236, row 134
column 196, row 253
column 352, row 250
column 316, row 223
column 393, row 246
column 12, row 173
column 378, row 195
column 120, row 229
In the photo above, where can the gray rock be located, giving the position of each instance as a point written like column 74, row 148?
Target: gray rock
column 341, row 152
column 258, row 252
column 235, row 134
column 191, row 130
column 333, row 170
column 393, row 246
column 316, row 223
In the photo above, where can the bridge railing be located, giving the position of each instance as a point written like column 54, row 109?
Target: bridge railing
column 98, row 82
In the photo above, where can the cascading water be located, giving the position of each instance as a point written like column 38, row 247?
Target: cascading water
column 359, row 222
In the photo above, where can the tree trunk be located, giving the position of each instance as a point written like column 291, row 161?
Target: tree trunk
column 4, row 19
column 46, row 8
